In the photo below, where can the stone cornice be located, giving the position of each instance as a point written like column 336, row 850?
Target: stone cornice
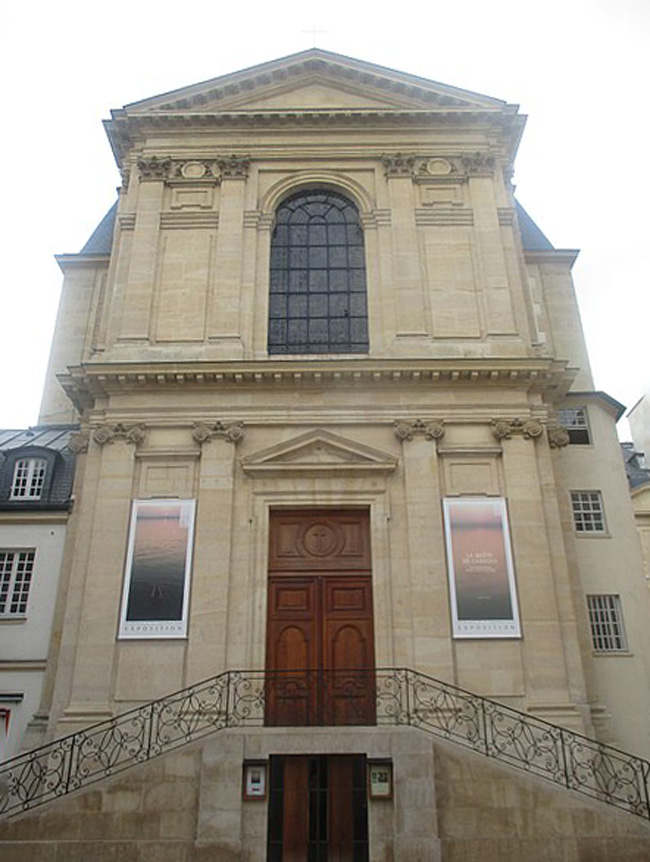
column 324, row 66
column 29, row 516
column 124, row 129
column 79, row 261
column 85, row 383
column 555, row 255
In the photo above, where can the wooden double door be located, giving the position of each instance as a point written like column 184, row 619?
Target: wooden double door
column 320, row 642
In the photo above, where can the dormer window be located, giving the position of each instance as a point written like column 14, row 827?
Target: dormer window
column 29, row 478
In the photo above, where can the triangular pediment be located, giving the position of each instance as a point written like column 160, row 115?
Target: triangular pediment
column 316, row 80
column 316, row 453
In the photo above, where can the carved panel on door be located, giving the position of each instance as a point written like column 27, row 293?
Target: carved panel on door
column 319, row 540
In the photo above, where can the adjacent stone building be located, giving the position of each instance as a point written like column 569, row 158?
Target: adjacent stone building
column 338, row 416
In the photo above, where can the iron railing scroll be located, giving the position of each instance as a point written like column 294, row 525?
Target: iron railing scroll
column 399, row 697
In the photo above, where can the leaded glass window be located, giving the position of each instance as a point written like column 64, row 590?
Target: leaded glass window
column 318, row 276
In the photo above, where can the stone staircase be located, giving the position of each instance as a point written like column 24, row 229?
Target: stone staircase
column 484, row 782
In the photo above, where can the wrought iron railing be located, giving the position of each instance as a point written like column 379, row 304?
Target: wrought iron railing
column 386, row 696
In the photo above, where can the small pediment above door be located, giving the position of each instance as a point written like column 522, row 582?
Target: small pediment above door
column 318, row 453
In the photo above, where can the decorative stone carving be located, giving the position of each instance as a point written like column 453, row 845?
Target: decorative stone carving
column 154, row 168
column 558, row 437
column 478, row 164
column 504, row 429
column 434, row 430
column 125, row 174
column 193, row 171
column 424, row 168
column 232, row 432
column 399, row 165
column 438, row 167
column 78, row 442
column 133, row 434
column 234, row 167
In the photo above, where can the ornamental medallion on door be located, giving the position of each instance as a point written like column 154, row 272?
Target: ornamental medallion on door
column 320, row 646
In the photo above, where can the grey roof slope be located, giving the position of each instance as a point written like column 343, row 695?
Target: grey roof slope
column 101, row 240
column 532, row 237
column 636, row 474
column 53, row 437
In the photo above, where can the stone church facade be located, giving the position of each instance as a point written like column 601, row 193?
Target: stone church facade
column 339, row 416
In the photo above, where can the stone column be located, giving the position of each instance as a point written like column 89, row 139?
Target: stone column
column 206, row 653
column 224, row 326
column 136, row 310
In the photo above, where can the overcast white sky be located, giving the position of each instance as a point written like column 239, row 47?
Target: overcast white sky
column 580, row 70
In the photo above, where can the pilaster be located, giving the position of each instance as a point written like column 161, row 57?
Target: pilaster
column 100, row 572
column 136, row 310
column 407, row 274
column 429, row 625
column 499, row 312
column 224, row 327
column 546, row 678
column 206, row 654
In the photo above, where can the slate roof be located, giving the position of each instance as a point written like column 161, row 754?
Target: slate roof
column 58, row 488
column 54, row 437
column 532, row 237
column 636, row 474
column 101, row 240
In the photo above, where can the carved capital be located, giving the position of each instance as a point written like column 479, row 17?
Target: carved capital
column 234, row 167
column 504, row 429
column 154, row 168
column 133, row 434
column 232, row 432
column 125, row 174
column 78, row 442
column 400, row 164
column 478, row 164
column 558, row 437
column 434, row 430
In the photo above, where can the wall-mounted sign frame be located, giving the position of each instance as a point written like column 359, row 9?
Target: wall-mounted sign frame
column 481, row 570
column 254, row 780
column 380, row 779
column 158, row 565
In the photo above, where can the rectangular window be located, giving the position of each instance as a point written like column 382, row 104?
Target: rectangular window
column 606, row 621
column 29, row 476
column 156, row 584
column 588, row 513
column 16, row 572
column 575, row 421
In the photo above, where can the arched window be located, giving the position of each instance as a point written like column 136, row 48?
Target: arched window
column 318, row 276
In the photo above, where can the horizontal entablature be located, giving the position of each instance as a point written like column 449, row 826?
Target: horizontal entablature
column 83, row 383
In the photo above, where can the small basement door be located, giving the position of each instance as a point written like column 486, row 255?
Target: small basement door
column 318, row 809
